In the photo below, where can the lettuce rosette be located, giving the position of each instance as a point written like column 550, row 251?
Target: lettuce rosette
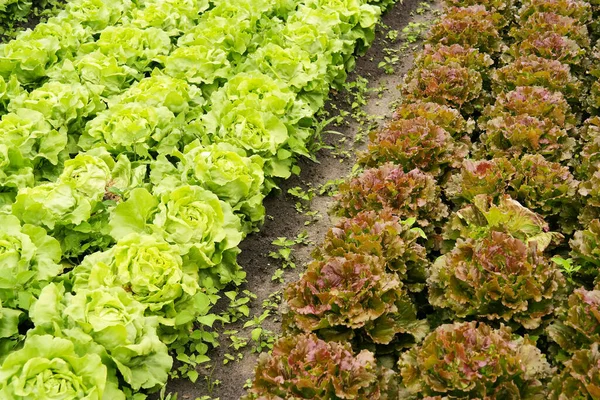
column 222, row 168
column 29, row 259
column 61, row 104
column 108, row 322
column 202, row 228
column 172, row 16
column 151, row 270
column 74, row 209
column 49, row 368
column 262, row 116
column 134, row 128
column 10, row 338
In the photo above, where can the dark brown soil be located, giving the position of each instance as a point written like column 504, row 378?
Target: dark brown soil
column 284, row 221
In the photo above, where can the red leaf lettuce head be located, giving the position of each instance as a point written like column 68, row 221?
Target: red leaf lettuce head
column 450, row 85
column 578, row 324
column 580, row 379
column 470, row 360
column 537, row 71
column 443, row 116
column 513, row 136
column 472, row 26
column 589, row 159
column 492, row 5
column 380, row 234
column 550, row 45
column 411, row 194
column 306, row 367
column 547, row 188
column 415, row 143
column 484, row 177
column 534, row 101
column 585, row 251
column 577, row 9
column 484, row 215
column 345, row 296
column 467, row 57
column 553, row 22
column 496, row 277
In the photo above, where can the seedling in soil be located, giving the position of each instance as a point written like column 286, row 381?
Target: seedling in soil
column 277, row 276
column 414, row 31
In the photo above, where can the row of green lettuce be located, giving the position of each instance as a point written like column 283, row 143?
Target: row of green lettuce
column 138, row 140
column 14, row 14
column 466, row 263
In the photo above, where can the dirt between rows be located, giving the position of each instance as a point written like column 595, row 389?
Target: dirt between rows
column 284, row 221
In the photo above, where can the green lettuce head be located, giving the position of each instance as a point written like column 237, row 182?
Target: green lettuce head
column 88, row 174
column 31, row 134
column 197, row 221
column 133, row 46
column 108, row 322
column 62, row 104
column 135, row 128
column 10, row 338
column 262, row 116
column 96, row 69
column 29, row 259
column 204, row 229
column 149, row 268
column 162, row 91
column 226, row 171
column 48, row 367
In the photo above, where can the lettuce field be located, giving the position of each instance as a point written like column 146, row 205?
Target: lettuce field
column 141, row 140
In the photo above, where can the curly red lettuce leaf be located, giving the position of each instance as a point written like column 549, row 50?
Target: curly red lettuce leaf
column 381, row 234
column 578, row 323
column 411, row 194
column 445, row 117
column 451, row 85
column 470, row 360
column 415, row 143
column 472, row 26
column 537, row 71
column 550, row 45
column 496, row 277
column 547, row 188
column 342, row 297
column 577, row 9
column 483, row 177
column 553, row 22
column 513, row 136
column 534, row 101
column 585, row 252
column 306, row 367
column 484, row 215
